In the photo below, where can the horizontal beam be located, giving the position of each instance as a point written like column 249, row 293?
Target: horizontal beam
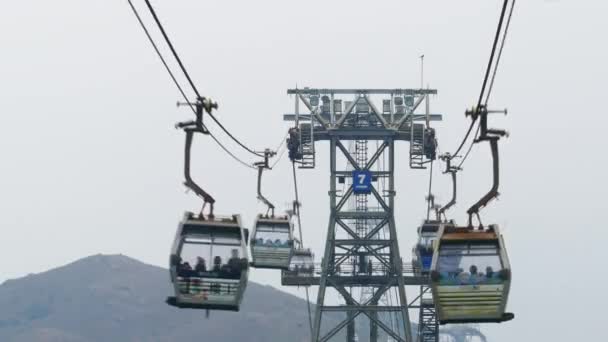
column 361, row 308
column 362, row 214
column 386, row 91
column 374, row 173
column 353, row 281
column 396, row 117
column 353, row 242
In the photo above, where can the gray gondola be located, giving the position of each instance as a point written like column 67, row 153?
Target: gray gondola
column 471, row 276
column 209, row 264
column 272, row 242
column 301, row 268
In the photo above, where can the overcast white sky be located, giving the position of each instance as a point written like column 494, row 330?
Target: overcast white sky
column 90, row 162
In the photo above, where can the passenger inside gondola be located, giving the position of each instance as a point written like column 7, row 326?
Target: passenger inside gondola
column 201, row 266
column 217, row 263
column 268, row 235
column 302, row 265
column 185, row 270
column 454, row 259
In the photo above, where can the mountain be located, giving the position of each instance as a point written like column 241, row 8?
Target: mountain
column 116, row 298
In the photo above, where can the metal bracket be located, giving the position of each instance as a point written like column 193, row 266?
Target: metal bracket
column 262, row 165
column 191, row 127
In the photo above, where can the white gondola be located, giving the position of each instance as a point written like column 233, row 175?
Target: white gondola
column 428, row 233
column 272, row 242
column 471, row 276
column 209, row 264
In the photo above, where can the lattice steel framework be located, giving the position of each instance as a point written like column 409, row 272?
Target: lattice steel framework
column 362, row 249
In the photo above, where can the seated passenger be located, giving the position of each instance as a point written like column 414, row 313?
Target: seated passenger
column 269, row 242
column 475, row 277
column 201, row 265
column 278, row 243
column 184, row 269
column 217, row 263
column 235, row 265
column 489, row 272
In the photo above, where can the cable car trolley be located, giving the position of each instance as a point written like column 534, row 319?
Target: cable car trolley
column 272, row 242
column 470, row 276
column 208, row 263
column 428, row 233
column 301, row 268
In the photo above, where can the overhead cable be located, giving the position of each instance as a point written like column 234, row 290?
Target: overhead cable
column 485, row 80
column 183, row 68
column 179, row 88
column 502, row 45
column 297, row 205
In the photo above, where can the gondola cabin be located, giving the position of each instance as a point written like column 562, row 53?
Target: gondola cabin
column 272, row 242
column 428, row 233
column 470, row 276
column 209, row 264
column 302, row 263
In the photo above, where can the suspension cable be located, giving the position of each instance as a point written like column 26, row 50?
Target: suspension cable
column 143, row 26
column 240, row 161
column 502, row 45
column 177, row 85
column 279, row 157
column 494, row 45
column 282, row 151
column 183, row 68
column 495, row 71
column 430, row 199
column 295, row 186
column 470, row 147
column 485, row 80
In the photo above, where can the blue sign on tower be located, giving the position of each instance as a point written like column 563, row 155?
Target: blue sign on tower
column 362, row 182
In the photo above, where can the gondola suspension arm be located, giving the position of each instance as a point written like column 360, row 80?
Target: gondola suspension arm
column 190, row 127
column 452, row 170
column 262, row 165
column 492, row 136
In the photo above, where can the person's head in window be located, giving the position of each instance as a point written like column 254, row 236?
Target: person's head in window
column 473, row 270
column 217, row 260
column 489, row 272
column 201, row 265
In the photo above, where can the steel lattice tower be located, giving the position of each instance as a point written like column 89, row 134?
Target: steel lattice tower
column 362, row 251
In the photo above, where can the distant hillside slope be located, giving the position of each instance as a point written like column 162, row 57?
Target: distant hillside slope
column 113, row 298
column 116, row 298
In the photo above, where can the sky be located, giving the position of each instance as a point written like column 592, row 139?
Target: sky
column 90, row 161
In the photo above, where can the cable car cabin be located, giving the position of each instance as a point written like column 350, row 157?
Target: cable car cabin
column 423, row 251
column 302, row 264
column 471, row 276
column 208, row 264
column 272, row 242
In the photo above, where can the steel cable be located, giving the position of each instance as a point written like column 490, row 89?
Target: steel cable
column 183, row 68
column 295, row 185
column 485, row 81
column 491, row 87
column 179, row 88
